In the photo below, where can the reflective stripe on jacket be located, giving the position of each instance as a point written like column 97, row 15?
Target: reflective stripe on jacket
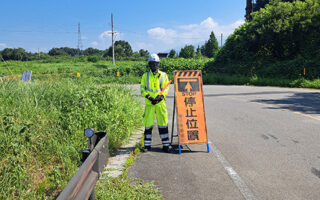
column 153, row 84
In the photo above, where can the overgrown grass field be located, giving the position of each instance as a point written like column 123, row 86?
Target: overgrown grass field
column 103, row 72
column 41, row 131
column 100, row 72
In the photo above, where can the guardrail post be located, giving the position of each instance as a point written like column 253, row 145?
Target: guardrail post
column 94, row 159
column 92, row 138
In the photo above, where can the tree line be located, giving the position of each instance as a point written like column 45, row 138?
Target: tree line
column 122, row 49
column 209, row 49
column 258, row 4
column 281, row 40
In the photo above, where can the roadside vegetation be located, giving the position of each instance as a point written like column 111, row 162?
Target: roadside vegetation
column 103, row 72
column 124, row 187
column 280, row 41
column 62, row 68
column 41, row 131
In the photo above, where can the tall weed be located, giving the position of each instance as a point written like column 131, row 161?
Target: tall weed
column 41, row 131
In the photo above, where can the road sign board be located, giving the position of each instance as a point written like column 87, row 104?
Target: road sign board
column 192, row 128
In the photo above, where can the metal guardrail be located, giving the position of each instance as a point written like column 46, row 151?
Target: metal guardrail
column 94, row 159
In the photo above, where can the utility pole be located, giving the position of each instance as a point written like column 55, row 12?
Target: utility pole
column 112, row 36
column 252, row 4
column 79, row 40
column 112, row 33
column 39, row 53
column 248, row 10
column 221, row 39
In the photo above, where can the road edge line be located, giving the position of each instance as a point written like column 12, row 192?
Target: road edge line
column 236, row 179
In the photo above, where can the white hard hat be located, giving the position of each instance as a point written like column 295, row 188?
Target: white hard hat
column 154, row 58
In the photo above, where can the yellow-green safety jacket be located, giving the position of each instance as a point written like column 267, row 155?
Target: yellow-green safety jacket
column 153, row 85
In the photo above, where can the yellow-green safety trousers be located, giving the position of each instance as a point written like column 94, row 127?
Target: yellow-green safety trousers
column 153, row 85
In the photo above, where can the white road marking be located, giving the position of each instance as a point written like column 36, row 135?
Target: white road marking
column 237, row 180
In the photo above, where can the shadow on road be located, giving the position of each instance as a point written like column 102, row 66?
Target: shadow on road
column 304, row 102
column 174, row 149
column 308, row 103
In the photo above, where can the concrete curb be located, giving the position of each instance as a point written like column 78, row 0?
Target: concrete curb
column 116, row 164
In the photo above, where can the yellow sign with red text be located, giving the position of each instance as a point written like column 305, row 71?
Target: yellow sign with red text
column 191, row 119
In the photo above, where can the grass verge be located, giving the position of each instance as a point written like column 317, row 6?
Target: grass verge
column 41, row 131
column 125, row 187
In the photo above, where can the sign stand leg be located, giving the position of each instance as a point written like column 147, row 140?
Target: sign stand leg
column 208, row 149
column 179, row 149
column 174, row 111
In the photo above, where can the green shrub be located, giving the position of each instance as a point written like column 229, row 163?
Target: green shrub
column 93, row 59
column 280, row 41
column 41, row 131
column 170, row 64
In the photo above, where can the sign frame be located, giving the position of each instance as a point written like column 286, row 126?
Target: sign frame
column 189, row 85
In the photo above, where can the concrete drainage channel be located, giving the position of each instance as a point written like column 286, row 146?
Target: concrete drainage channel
column 116, row 163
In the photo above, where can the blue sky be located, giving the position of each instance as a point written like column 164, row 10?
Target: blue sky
column 153, row 25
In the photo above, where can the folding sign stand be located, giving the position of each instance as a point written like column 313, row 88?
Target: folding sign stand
column 173, row 117
column 172, row 130
column 189, row 102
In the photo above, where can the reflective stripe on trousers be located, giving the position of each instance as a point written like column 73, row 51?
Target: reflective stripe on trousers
column 148, row 136
column 163, row 132
column 164, row 135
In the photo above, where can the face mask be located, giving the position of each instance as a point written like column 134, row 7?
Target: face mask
column 154, row 66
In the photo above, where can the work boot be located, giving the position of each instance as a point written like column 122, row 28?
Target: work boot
column 146, row 149
column 165, row 149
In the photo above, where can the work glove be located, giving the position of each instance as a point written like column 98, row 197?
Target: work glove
column 150, row 98
column 158, row 99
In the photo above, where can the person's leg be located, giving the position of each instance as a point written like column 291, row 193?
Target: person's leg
column 162, row 120
column 149, row 114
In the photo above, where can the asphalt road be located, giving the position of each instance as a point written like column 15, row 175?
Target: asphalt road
column 265, row 144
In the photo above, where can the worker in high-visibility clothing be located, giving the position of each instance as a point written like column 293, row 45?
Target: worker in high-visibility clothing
column 152, row 83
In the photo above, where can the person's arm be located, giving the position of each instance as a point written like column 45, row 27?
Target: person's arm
column 165, row 82
column 143, row 86
column 143, row 89
column 159, row 98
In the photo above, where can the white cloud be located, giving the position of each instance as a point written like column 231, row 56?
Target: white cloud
column 208, row 23
column 84, row 38
column 187, row 27
column 104, row 39
column 3, row 45
column 164, row 39
column 94, row 43
column 105, row 35
column 166, row 35
column 143, row 45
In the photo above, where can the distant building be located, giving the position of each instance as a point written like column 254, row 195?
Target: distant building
column 163, row 55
